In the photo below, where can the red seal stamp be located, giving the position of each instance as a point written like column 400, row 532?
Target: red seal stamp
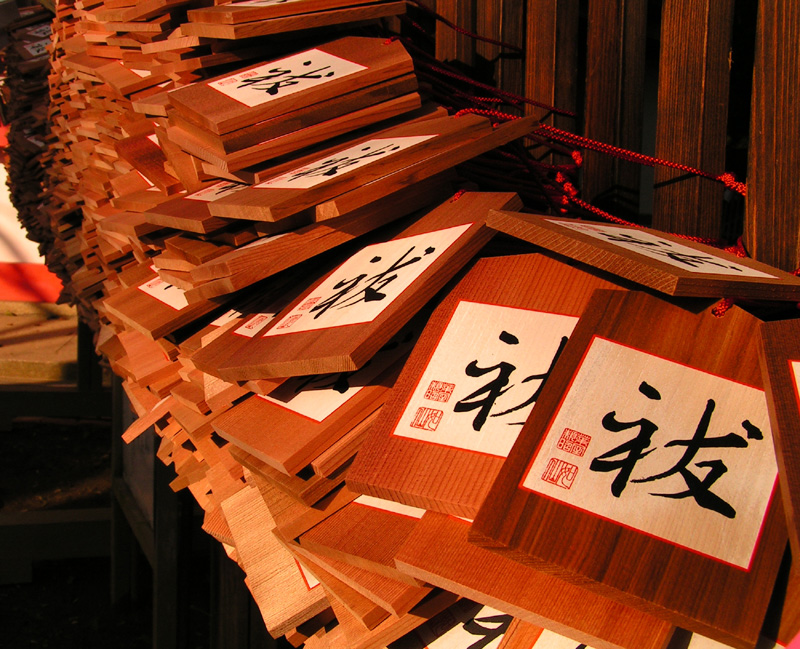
column 439, row 391
column 573, row 442
column 427, row 419
column 290, row 321
column 560, row 473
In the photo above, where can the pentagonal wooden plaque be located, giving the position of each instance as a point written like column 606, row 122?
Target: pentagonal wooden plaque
column 661, row 261
column 265, row 90
column 437, row 551
column 456, row 409
column 343, row 319
column 318, row 410
column 190, row 212
column 647, row 472
column 320, row 177
column 780, row 361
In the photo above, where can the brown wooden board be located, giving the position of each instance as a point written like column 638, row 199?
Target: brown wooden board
column 143, row 153
column 155, row 308
column 437, row 551
column 245, row 266
column 190, row 212
column 242, row 12
column 316, row 334
column 663, row 479
column 456, row 409
column 269, row 566
column 780, row 363
column 654, row 259
column 353, row 15
column 297, row 120
column 338, row 68
column 356, row 534
column 317, row 178
column 297, row 140
column 318, row 410
column 395, row 596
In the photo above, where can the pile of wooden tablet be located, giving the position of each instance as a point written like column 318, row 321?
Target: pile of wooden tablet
column 341, row 356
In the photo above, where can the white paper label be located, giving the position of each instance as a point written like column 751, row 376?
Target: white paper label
column 41, row 31
column 37, row 48
column 663, row 448
column 284, row 77
column 216, row 191
column 342, row 162
column 140, row 73
column 225, row 318
column 672, row 253
column 310, row 580
column 367, row 283
column 166, row 293
column 476, row 396
column 154, row 139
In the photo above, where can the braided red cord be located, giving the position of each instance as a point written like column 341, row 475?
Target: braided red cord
column 727, row 179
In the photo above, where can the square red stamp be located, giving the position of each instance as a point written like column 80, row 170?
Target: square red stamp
column 573, row 442
column 305, row 306
column 560, row 473
column 439, row 391
column 290, row 321
column 427, row 419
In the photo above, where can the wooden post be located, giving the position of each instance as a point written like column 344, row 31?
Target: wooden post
column 551, row 57
column 615, row 66
column 772, row 222
column 692, row 114
column 503, row 20
column 450, row 45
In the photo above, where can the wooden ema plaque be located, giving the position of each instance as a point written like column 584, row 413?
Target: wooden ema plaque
column 456, row 409
column 143, row 153
column 660, row 261
column 437, row 552
column 647, row 472
column 250, row 10
column 289, row 143
column 318, row 410
column 780, row 362
column 266, row 90
column 317, row 178
column 356, row 534
column 269, row 566
column 190, row 212
column 349, row 314
column 371, row 11
column 155, row 308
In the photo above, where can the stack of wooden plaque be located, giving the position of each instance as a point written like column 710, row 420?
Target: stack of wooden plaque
column 412, row 412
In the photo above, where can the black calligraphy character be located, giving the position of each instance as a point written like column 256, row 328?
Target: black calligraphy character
column 487, row 633
column 542, row 378
column 371, row 290
column 700, row 489
column 695, row 261
column 631, row 451
column 277, row 78
column 332, row 166
column 490, row 392
column 226, row 188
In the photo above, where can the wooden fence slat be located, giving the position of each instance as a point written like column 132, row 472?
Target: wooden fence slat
column 450, row 45
column 772, row 221
column 692, row 114
column 615, row 68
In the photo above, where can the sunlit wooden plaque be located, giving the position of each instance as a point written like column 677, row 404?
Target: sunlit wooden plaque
column 647, row 471
column 189, row 212
column 457, row 408
column 780, row 361
column 437, row 552
column 345, row 317
column 272, row 88
column 318, row 410
column 233, row 13
column 660, row 261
